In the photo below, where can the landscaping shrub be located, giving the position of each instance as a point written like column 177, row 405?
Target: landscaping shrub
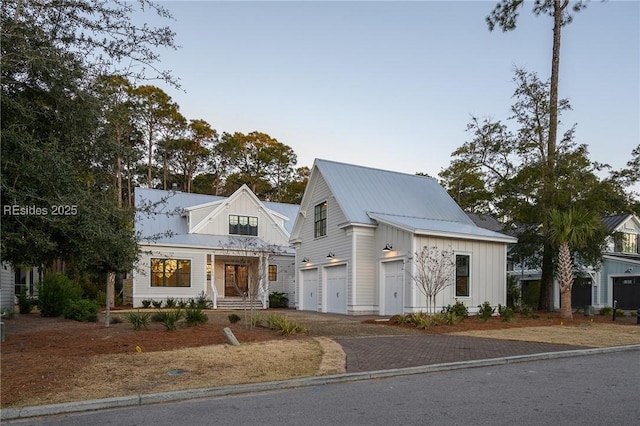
column 115, row 320
column 195, row 316
column 284, row 325
column 506, row 312
column 256, row 319
column 278, row 300
column 459, row 310
column 170, row 303
column 233, row 318
column 170, row 318
column 202, row 302
column 527, row 312
column 606, row 311
column 485, row 311
column 146, row 303
column 138, row 319
column 157, row 304
column 55, row 292
column 620, row 313
column 25, row 303
column 82, row 310
column 420, row 320
column 449, row 318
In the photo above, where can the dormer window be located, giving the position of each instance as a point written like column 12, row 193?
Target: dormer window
column 243, row 225
column 626, row 243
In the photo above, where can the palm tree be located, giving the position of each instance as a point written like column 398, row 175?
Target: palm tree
column 570, row 230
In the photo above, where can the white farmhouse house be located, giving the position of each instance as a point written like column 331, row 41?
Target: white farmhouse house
column 219, row 247
column 359, row 228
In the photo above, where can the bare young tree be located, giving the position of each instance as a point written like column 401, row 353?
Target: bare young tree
column 253, row 254
column 433, row 272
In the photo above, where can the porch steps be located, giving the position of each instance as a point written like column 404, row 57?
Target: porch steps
column 237, row 303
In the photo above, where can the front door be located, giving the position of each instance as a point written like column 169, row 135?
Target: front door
column 393, row 284
column 236, row 280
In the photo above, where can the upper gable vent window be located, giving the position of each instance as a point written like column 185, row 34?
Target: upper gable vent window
column 243, row 225
column 320, row 220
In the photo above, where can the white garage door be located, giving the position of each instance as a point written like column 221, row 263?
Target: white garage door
column 393, row 294
column 336, row 296
column 309, row 290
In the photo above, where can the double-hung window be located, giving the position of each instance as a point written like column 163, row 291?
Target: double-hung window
column 462, row 275
column 320, row 220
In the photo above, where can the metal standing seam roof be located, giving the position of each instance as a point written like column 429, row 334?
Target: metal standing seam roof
column 413, row 202
column 612, row 222
column 165, row 214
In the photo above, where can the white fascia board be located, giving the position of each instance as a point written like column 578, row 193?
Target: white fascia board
column 461, row 236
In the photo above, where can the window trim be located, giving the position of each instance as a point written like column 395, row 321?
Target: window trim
column 250, row 230
column 177, row 272
column 320, row 220
column 468, row 275
column 273, row 273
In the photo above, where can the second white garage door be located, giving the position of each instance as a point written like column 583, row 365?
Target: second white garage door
column 309, row 290
column 336, row 295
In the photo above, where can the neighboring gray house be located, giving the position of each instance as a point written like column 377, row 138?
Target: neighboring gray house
column 619, row 276
column 358, row 229
column 195, row 244
column 616, row 279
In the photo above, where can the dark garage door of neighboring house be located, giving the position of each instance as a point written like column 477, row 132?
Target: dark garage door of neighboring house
column 626, row 290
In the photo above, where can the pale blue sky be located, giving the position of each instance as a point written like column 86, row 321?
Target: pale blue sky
column 393, row 84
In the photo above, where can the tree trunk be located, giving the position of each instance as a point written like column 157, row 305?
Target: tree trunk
column 565, row 276
column 546, row 286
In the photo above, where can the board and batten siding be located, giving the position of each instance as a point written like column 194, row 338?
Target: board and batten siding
column 245, row 206
column 488, row 266
column 142, row 275
column 198, row 214
column 336, row 241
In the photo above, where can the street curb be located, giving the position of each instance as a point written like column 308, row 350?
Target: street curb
column 189, row 394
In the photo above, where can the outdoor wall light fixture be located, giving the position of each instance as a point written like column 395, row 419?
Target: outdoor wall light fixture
column 305, row 259
column 387, row 247
column 331, row 255
column 628, row 271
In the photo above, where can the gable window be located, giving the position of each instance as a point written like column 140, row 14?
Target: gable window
column 462, row 275
column 320, row 220
column 243, row 225
column 273, row 272
column 626, row 243
column 170, row 273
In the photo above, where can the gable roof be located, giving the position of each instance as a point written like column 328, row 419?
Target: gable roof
column 613, row 222
column 412, row 202
column 486, row 221
column 158, row 211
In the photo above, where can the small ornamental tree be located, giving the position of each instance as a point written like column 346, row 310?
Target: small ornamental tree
column 433, row 272
column 253, row 254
